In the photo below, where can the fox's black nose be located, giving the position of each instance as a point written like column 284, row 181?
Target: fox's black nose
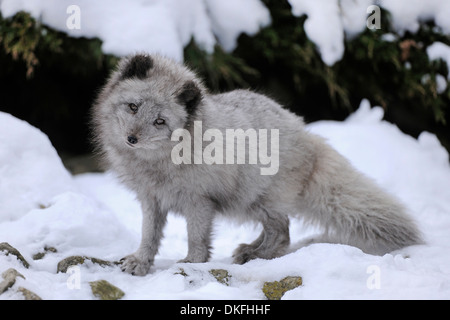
column 132, row 139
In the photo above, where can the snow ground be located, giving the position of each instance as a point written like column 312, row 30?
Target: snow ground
column 93, row 215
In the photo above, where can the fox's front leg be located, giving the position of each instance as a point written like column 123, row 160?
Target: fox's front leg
column 199, row 225
column 153, row 222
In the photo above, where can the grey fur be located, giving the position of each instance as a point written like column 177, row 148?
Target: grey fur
column 314, row 182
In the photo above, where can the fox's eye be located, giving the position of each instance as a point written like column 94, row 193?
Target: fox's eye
column 134, row 108
column 159, row 121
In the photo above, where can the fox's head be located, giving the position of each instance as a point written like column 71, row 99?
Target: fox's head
column 144, row 101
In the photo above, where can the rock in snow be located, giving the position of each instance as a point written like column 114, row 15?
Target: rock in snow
column 276, row 289
column 9, row 279
column 221, row 275
column 68, row 262
column 8, row 249
column 104, row 290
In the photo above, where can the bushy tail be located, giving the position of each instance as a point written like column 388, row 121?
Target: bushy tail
column 353, row 210
column 377, row 229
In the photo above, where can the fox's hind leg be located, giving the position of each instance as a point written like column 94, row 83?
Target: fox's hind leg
column 245, row 252
column 272, row 242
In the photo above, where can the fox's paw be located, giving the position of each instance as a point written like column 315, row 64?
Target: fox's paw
column 134, row 265
column 200, row 257
column 244, row 253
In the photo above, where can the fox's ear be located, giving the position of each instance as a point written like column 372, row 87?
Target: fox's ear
column 190, row 96
column 137, row 66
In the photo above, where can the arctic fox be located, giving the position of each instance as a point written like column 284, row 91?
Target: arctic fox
column 151, row 97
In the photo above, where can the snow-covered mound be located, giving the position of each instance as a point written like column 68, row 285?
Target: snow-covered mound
column 163, row 26
column 166, row 26
column 329, row 22
column 93, row 215
column 31, row 172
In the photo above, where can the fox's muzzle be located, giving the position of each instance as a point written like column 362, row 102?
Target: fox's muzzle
column 132, row 139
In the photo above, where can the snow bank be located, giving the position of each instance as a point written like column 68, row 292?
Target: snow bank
column 232, row 17
column 94, row 215
column 30, row 169
column 163, row 26
column 407, row 14
column 167, row 26
column 329, row 22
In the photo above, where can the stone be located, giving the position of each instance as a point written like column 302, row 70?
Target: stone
column 68, row 262
column 221, row 275
column 101, row 262
column 28, row 295
column 276, row 289
column 9, row 279
column 40, row 255
column 6, row 247
column 104, row 290
column 182, row 272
